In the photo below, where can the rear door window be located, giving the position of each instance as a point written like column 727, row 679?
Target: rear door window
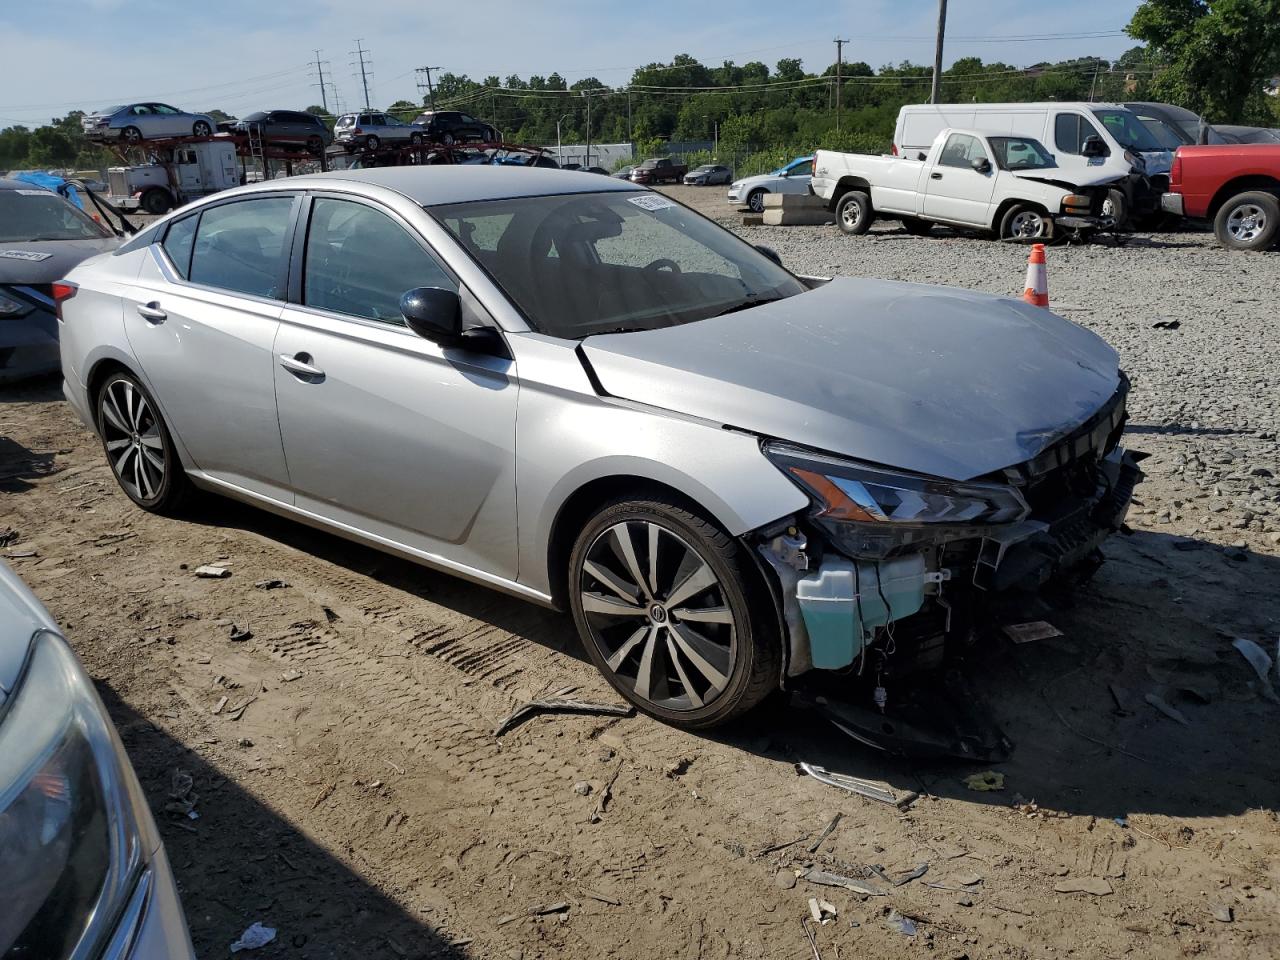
column 241, row 246
column 360, row 262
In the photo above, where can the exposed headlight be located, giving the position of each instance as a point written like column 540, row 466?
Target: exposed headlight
column 71, row 846
column 872, row 511
column 9, row 307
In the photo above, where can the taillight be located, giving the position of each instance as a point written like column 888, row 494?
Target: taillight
column 813, row 166
column 62, row 291
column 1175, row 171
column 893, row 150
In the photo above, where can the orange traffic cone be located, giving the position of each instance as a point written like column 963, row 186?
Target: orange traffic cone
column 1037, row 290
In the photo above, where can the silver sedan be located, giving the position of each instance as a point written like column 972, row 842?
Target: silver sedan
column 581, row 392
column 135, row 122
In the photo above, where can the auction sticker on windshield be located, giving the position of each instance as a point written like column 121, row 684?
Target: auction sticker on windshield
column 652, row 201
column 31, row 255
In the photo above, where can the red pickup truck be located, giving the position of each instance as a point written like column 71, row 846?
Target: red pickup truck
column 1235, row 185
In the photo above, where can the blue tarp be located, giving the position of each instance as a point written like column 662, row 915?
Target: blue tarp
column 49, row 182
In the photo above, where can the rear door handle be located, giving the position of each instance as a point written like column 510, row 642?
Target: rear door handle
column 300, row 366
column 935, row 176
column 152, row 313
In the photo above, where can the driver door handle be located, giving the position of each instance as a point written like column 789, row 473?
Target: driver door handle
column 152, row 313
column 935, row 176
column 300, row 366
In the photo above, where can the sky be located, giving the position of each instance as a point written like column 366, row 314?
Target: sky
column 245, row 55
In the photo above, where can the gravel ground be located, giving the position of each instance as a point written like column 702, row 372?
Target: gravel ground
column 360, row 803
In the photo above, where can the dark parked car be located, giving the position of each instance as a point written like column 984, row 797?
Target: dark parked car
column 289, row 127
column 42, row 236
column 708, row 175
column 450, row 126
column 659, row 170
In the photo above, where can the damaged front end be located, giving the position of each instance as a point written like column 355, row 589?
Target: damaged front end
column 891, row 574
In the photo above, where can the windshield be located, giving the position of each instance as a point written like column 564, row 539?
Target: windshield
column 588, row 263
column 1021, row 153
column 27, row 215
column 1128, row 130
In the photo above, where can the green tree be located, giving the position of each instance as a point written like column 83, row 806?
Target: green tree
column 1220, row 53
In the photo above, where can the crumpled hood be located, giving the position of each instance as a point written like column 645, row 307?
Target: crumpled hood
column 935, row 380
column 57, row 257
column 1057, row 177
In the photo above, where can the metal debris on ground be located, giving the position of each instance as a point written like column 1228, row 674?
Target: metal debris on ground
column 826, row 832
column 1260, row 660
column 239, row 634
column 901, row 924
column 825, row 879
column 1170, row 711
column 594, row 895
column 606, row 794
column 210, row 572
column 1097, row 886
column 1027, row 632
column 808, row 935
column 561, row 706
column 560, row 907
column 254, row 937
column 271, row 584
column 781, row 846
column 915, row 874
column 822, row 911
column 238, row 712
column 217, row 707
column 863, row 788
column 985, row 781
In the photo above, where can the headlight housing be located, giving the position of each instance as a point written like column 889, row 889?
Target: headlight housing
column 11, row 307
column 872, row 511
column 71, row 844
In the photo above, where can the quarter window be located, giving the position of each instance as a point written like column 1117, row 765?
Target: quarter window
column 241, row 246
column 360, row 262
column 179, row 241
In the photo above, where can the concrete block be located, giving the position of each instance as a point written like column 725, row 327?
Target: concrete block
column 781, row 217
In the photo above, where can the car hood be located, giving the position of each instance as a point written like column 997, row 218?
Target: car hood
column 47, row 260
column 765, row 179
column 935, row 380
column 1057, row 177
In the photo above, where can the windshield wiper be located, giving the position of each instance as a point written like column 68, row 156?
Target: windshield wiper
column 747, row 305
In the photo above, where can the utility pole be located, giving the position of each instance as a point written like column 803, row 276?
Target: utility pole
column 937, row 53
column 587, row 95
column 431, row 90
column 324, row 97
column 839, row 56
column 359, row 53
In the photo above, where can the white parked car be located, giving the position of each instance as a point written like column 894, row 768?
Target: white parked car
column 1009, row 185
column 372, row 129
column 793, row 178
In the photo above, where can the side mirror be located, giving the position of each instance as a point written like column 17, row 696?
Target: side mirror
column 1094, row 147
column 769, row 252
column 433, row 313
column 922, row 156
column 982, row 165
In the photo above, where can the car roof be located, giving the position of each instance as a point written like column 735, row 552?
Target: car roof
column 463, row 183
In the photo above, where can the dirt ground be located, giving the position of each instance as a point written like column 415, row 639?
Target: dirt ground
column 351, row 792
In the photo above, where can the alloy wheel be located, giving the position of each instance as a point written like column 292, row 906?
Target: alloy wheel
column 756, row 202
column 131, row 433
column 1246, row 222
column 658, row 614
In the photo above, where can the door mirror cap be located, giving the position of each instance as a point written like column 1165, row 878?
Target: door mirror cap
column 769, row 252
column 1094, row 147
column 982, row 165
column 433, row 313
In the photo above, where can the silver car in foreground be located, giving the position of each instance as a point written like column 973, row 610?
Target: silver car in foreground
column 84, row 872
column 583, row 393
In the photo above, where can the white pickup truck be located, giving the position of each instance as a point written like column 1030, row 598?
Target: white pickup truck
column 1005, row 184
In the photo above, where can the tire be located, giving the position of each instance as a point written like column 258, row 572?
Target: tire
column 1248, row 221
column 727, row 655
column 131, row 135
column 1027, row 222
column 853, row 212
column 134, row 437
column 201, row 129
column 447, row 139
column 315, row 146
column 755, row 201
column 371, row 142
column 1116, row 206
column 415, row 139
column 156, row 202
column 917, row 227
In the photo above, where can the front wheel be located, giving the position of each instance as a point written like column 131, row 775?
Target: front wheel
column 853, row 212
column 917, row 227
column 1115, row 207
column 156, row 201
column 415, row 139
column 1248, row 221
column 662, row 599
column 755, row 201
column 315, row 146
column 1025, row 223
column 138, row 446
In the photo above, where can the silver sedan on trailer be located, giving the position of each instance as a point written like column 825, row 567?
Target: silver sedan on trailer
column 583, row 393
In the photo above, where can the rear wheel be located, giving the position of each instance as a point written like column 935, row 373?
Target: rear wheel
column 138, row 446
column 917, row 227
column 853, row 212
column 1026, row 223
column 131, row 135
column 201, row 129
column 315, row 145
column 371, row 142
column 662, row 600
column 447, row 139
column 1248, row 221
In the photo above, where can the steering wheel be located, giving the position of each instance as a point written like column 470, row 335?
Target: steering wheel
column 664, row 264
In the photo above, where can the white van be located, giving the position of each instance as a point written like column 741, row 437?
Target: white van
column 1087, row 139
